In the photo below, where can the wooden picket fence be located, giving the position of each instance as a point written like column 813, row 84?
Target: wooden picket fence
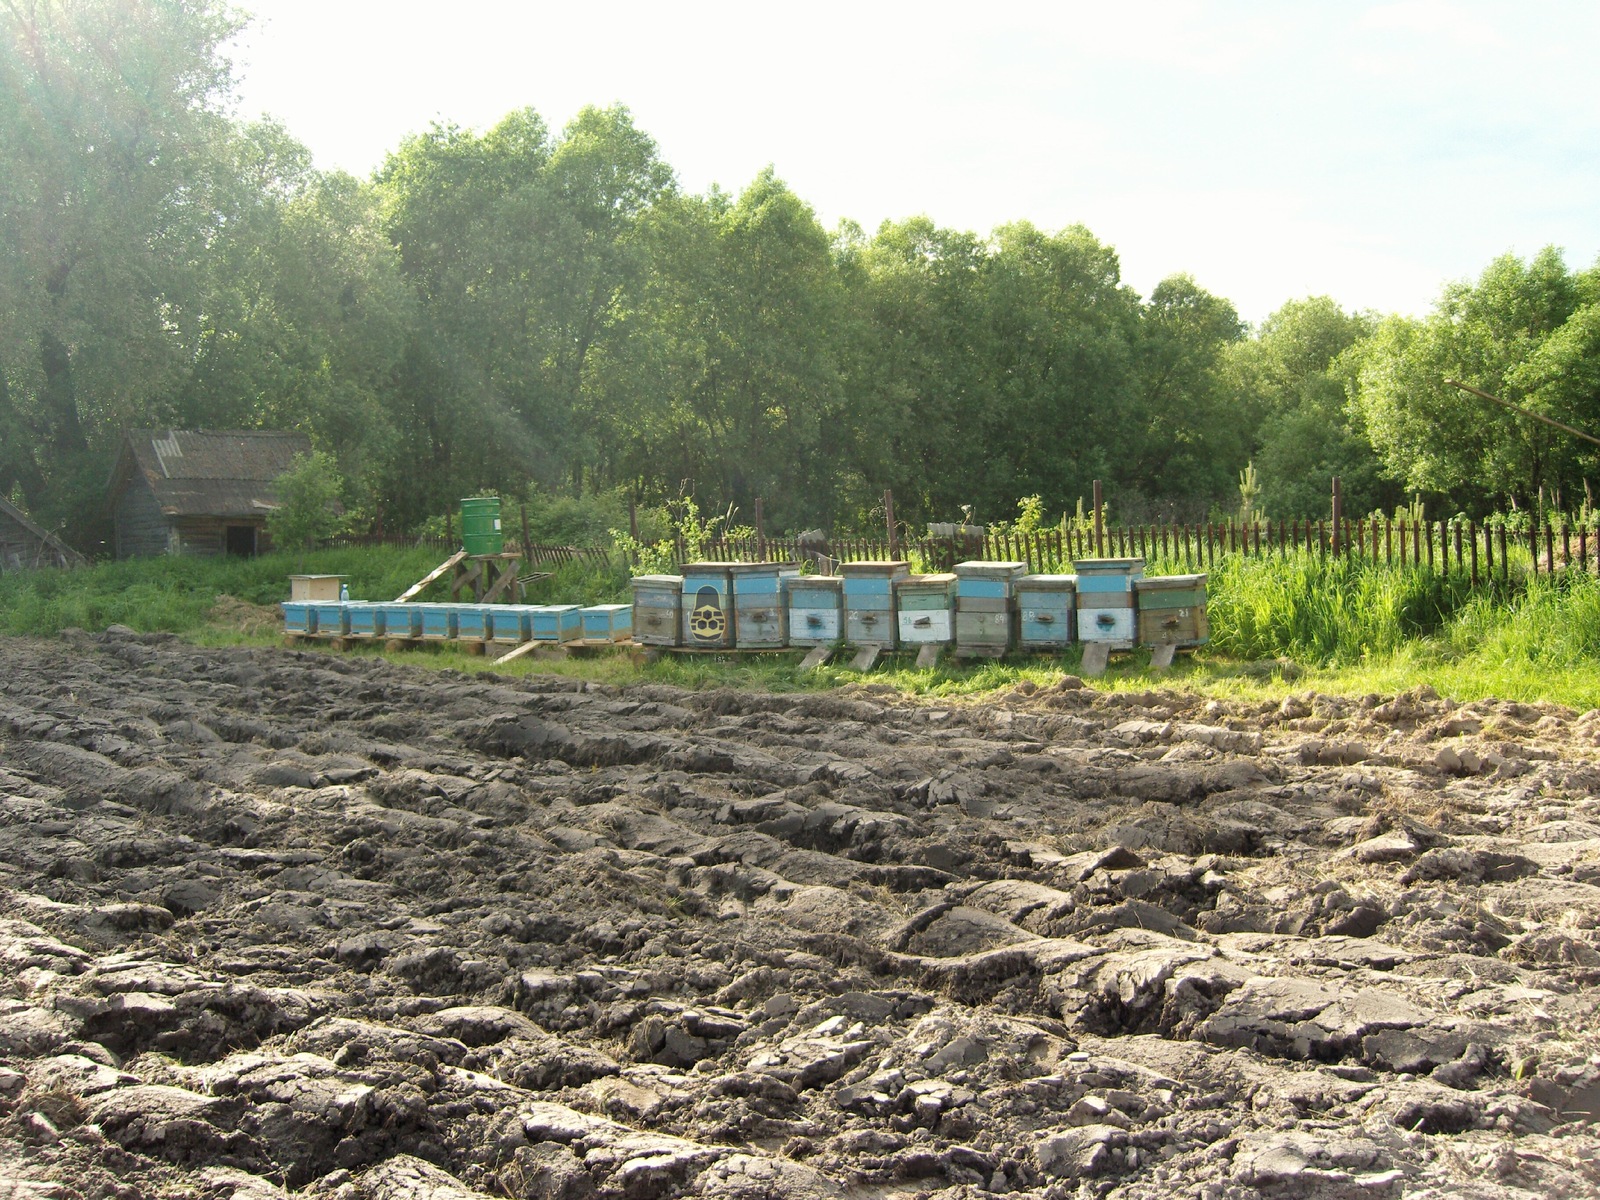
column 1483, row 552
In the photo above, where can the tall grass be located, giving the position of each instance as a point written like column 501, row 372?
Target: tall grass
column 1335, row 611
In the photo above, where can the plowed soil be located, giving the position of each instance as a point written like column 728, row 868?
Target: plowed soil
column 279, row 922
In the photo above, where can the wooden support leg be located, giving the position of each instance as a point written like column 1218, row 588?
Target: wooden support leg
column 866, row 658
column 1095, row 657
column 928, row 656
column 817, row 656
column 1161, row 656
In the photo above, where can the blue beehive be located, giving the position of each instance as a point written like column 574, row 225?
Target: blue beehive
column 402, row 620
column 816, row 609
column 509, row 623
column 708, row 605
column 760, row 620
column 438, row 621
column 473, row 621
column 607, row 623
column 1106, row 599
column 869, row 611
column 1046, row 605
column 556, row 622
column 299, row 617
column 331, row 618
column 363, row 619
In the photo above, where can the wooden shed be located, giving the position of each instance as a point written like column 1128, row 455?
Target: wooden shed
column 179, row 491
column 24, row 544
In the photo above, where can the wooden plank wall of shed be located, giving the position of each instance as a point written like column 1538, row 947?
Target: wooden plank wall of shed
column 206, row 537
column 20, row 548
column 141, row 528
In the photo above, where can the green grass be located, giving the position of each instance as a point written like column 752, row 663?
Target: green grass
column 1278, row 625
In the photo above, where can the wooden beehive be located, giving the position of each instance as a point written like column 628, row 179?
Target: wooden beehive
column 607, row 623
column 986, row 606
column 657, row 609
column 760, row 617
column 555, row 622
column 1046, row 605
column 869, row 618
column 925, row 607
column 816, row 607
column 1106, row 600
column 708, row 605
column 1172, row 610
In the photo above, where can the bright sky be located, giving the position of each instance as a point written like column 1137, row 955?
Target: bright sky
column 1273, row 149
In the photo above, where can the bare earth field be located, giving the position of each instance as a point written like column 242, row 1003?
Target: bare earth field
column 276, row 921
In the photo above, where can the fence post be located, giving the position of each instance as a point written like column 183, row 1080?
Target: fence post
column 1099, row 534
column 1338, row 513
column 1472, row 536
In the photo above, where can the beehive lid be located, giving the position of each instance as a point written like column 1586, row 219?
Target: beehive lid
column 1048, row 583
column 875, row 568
column 672, row 581
column 991, row 570
column 815, row 582
column 930, row 583
column 607, row 608
column 1152, row 583
column 1108, row 566
column 762, row 568
column 707, row 568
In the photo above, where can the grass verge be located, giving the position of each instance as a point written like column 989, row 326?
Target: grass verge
column 1278, row 625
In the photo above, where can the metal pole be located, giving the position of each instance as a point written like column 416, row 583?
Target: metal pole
column 888, row 516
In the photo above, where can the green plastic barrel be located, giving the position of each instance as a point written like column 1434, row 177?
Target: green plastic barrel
column 480, row 525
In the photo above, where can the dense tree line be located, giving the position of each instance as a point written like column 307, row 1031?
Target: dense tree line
column 528, row 308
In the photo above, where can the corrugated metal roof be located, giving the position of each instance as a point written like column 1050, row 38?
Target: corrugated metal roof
column 225, row 473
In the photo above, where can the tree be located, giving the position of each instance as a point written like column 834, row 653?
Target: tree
column 308, row 496
column 109, row 124
column 1190, row 437
column 1506, row 335
column 1290, row 385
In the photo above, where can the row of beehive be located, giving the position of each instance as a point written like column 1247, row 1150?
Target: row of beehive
column 984, row 607
column 555, row 623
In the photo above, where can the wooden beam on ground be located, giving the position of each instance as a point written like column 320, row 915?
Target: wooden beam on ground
column 518, row 652
column 815, row 659
column 866, row 658
column 1095, row 657
column 928, row 656
column 417, row 588
column 1161, row 656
